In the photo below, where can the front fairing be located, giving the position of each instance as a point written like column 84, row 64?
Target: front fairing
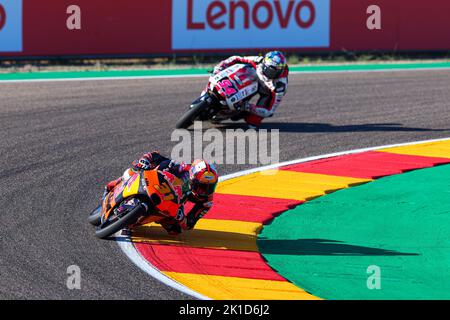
column 160, row 188
column 169, row 189
column 133, row 186
column 235, row 84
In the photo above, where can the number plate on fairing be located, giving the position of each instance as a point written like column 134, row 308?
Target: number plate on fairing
column 230, row 85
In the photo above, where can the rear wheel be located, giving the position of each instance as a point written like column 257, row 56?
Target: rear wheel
column 119, row 220
column 194, row 112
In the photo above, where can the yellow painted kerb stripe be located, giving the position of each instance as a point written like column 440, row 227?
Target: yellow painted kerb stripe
column 283, row 184
column 234, row 288
column 440, row 149
column 208, row 233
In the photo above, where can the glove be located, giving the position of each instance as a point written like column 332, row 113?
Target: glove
column 147, row 161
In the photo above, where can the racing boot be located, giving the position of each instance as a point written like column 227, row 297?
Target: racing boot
column 253, row 121
column 173, row 229
column 238, row 116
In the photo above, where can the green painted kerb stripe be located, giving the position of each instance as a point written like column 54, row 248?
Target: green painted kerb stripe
column 397, row 228
column 371, row 67
column 188, row 72
column 101, row 74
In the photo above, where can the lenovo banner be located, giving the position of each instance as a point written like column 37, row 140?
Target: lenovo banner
column 105, row 28
column 215, row 24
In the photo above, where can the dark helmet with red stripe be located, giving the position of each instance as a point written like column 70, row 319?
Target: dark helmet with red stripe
column 274, row 64
column 203, row 179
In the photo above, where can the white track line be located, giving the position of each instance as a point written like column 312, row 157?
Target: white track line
column 206, row 75
column 131, row 252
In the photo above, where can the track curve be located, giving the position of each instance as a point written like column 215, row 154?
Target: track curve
column 62, row 141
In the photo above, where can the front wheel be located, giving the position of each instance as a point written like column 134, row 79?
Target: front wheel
column 95, row 216
column 119, row 220
column 194, row 112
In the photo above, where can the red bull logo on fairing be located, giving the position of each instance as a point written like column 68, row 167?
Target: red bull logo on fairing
column 230, row 24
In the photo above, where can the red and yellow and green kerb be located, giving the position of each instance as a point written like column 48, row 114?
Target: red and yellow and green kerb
column 308, row 248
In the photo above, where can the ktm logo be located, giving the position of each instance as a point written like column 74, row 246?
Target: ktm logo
column 2, row 17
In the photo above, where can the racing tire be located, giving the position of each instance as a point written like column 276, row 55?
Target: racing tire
column 130, row 218
column 95, row 216
column 189, row 117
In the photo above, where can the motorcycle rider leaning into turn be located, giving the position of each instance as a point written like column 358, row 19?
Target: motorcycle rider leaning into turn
column 199, row 183
column 273, row 72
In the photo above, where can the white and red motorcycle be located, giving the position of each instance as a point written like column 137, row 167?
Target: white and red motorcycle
column 226, row 91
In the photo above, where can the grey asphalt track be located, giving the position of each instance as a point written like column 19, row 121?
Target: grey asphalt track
column 62, row 141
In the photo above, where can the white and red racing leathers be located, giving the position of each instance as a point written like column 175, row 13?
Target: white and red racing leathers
column 271, row 91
